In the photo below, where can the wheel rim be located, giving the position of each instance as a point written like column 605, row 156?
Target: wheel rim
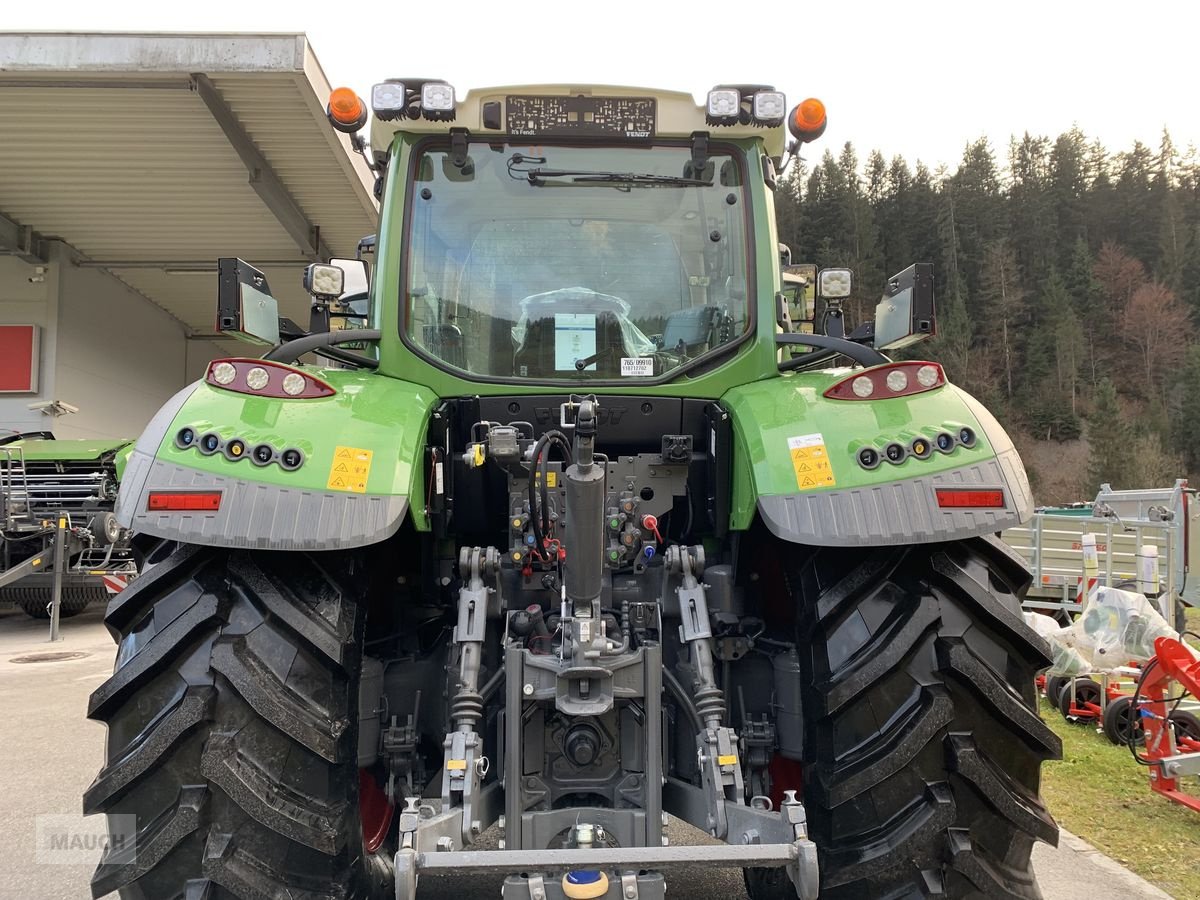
column 1125, row 727
column 374, row 810
column 1086, row 691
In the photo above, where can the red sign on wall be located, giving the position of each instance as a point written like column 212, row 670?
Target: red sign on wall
column 18, row 359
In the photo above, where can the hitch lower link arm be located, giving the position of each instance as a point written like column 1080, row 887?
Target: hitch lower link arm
column 716, row 744
column 463, row 761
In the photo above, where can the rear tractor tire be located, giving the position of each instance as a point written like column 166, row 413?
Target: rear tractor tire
column 921, row 721
column 232, row 728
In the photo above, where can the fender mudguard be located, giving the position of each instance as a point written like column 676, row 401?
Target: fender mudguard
column 797, row 465
column 359, row 452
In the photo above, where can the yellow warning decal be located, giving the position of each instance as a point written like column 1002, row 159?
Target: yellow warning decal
column 349, row 469
column 729, row 760
column 551, row 478
column 454, row 764
column 810, row 460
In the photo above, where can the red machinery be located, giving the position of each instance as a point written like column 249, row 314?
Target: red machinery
column 1169, row 754
column 1079, row 699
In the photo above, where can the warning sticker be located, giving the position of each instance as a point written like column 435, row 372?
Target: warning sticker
column 637, row 366
column 349, row 469
column 811, row 462
column 551, row 479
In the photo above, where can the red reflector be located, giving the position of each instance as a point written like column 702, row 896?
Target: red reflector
column 203, row 501
column 955, row 498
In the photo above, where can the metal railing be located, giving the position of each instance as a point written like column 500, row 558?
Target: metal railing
column 33, row 491
column 1123, row 522
column 12, row 485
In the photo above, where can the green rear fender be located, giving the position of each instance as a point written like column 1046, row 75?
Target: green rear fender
column 360, row 452
column 796, row 463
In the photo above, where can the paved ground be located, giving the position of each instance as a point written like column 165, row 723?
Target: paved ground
column 51, row 752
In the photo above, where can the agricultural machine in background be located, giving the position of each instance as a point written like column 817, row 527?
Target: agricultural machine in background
column 1172, row 743
column 1123, row 523
column 61, row 492
column 1140, row 682
column 1151, row 709
column 586, row 528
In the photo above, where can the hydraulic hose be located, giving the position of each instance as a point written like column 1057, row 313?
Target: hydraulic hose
column 293, row 350
column 539, row 519
column 681, row 697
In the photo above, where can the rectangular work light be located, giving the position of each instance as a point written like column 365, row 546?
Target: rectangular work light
column 437, row 100
column 769, row 108
column 723, row 106
column 388, row 100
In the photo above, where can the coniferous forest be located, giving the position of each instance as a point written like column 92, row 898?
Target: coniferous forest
column 1067, row 282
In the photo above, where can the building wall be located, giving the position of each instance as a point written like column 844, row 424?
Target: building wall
column 105, row 349
column 120, row 357
column 23, row 303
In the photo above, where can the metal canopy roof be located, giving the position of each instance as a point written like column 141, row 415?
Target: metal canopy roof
column 154, row 154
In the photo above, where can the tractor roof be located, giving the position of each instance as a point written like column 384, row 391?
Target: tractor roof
column 674, row 114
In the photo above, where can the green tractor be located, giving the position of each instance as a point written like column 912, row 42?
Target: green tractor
column 574, row 531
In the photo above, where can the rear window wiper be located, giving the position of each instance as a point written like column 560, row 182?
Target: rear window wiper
column 629, row 179
column 539, row 174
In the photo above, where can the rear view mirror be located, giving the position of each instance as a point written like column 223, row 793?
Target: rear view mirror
column 353, row 297
column 357, row 276
column 799, row 291
column 245, row 308
column 905, row 314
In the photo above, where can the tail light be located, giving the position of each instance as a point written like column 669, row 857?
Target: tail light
column 181, row 501
column 890, row 380
column 263, row 378
column 969, row 498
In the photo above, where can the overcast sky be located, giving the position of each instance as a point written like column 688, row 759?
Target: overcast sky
column 918, row 78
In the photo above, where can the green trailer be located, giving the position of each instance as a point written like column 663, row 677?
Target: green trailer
column 571, row 531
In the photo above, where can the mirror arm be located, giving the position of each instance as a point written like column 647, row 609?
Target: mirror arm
column 791, row 151
column 289, row 330
column 318, row 317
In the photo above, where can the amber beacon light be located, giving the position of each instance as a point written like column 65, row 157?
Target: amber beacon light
column 807, row 120
column 346, row 110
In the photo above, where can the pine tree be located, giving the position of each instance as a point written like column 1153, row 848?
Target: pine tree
column 1032, row 230
column 1068, row 188
column 1135, row 202
column 1186, row 420
column 1003, row 308
column 789, row 205
column 1108, row 439
column 1068, row 266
